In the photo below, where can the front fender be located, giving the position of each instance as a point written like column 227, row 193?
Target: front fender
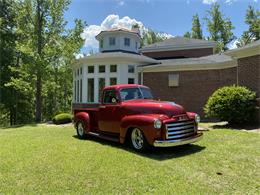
column 83, row 116
column 144, row 122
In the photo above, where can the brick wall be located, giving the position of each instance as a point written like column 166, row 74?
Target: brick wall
column 188, row 53
column 194, row 86
column 249, row 76
column 249, row 73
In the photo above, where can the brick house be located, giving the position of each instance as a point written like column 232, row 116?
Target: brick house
column 189, row 75
column 179, row 69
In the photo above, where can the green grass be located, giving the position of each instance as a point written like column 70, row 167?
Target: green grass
column 50, row 159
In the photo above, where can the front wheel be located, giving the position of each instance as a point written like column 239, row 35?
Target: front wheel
column 138, row 140
column 80, row 127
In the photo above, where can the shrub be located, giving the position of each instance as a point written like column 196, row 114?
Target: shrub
column 62, row 118
column 234, row 104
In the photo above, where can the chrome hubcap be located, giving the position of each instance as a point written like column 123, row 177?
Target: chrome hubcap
column 137, row 138
column 80, row 129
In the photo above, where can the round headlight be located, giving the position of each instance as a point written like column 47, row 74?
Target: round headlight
column 157, row 124
column 197, row 118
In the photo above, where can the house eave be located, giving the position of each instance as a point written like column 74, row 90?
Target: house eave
column 244, row 52
column 178, row 47
column 188, row 67
column 117, row 59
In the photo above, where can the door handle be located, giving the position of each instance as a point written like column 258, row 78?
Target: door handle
column 102, row 106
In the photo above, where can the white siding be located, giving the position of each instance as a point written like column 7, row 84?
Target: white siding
column 122, row 76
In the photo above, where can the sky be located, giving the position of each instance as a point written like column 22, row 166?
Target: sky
column 173, row 17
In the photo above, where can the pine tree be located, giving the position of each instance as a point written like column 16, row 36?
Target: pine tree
column 196, row 31
column 219, row 28
column 253, row 33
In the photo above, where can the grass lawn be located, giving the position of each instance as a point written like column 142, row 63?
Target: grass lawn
column 50, row 159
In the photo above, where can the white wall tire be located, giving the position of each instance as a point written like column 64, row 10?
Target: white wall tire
column 80, row 127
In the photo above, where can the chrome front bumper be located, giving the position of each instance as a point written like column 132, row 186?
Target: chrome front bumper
column 169, row 143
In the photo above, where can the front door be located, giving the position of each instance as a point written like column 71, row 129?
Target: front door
column 109, row 114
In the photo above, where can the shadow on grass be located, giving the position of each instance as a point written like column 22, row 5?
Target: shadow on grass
column 19, row 126
column 153, row 153
column 236, row 126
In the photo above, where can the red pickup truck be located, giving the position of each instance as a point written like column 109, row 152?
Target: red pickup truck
column 128, row 112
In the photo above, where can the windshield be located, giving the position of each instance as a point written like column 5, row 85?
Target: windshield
column 135, row 93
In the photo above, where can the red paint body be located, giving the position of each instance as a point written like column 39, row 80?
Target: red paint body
column 117, row 119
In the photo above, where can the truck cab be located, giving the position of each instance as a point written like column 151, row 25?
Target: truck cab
column 130, row 113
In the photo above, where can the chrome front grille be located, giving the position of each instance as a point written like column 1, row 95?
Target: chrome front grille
column 179, row 130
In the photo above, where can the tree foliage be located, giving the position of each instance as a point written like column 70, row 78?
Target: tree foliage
column 252, row 19
column 196, row 31
column 219, row 27
column 41, row 76
column 8, row 59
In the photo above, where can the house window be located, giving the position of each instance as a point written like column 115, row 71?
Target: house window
column 127, row 42
column 131, row 68
column 80, row 91
column 113, row 81
column 101, row 68
column 173, row 80
column 131, row 81
column 101, row 85
column 78, row 72
column 112, row 41
column 101, row 43
column 113, row 68
column 90, row 69
column 91, row 90
column 136, row 45
column 81, row 70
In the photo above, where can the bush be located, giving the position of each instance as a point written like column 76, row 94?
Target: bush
column 234, row 104
column 62, row 118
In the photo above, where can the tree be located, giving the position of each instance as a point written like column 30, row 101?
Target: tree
column 219, row 27
column 49, row 50
column 150, row 36
column 8, row 59
column 187, row 35
column 196, row 31
column 253, row 33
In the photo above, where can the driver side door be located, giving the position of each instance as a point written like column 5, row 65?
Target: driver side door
column 109, row 114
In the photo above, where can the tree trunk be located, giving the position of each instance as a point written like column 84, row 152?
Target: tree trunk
column 38, row 114
column 39, row 28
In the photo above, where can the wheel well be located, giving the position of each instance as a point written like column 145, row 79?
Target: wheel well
column 128, row 134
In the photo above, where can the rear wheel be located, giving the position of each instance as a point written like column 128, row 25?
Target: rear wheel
column 138, row 140
column 80, row 127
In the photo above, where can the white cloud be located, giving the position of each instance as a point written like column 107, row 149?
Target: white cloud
column 233, row 44
column 229, row 2
column 120, row 2
column 111, row 21
column 209, row 1
column 79, row 55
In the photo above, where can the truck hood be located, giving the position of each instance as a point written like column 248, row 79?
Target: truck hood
column 144, row 106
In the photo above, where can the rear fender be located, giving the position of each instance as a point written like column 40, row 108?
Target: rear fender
column 84, row 117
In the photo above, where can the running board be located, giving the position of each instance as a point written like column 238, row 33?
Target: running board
column 106, row 137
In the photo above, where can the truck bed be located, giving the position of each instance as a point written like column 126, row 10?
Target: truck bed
column 91, row 109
